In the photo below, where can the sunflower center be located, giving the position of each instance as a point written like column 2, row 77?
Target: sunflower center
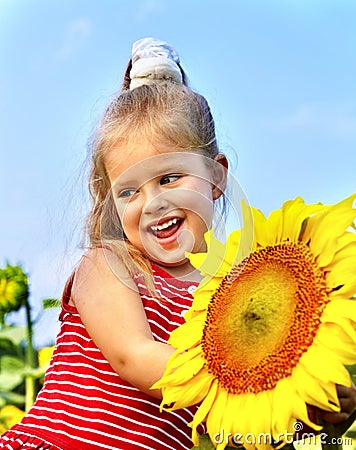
column 263, row 317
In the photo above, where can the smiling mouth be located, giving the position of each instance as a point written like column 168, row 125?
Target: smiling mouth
column 166, row 229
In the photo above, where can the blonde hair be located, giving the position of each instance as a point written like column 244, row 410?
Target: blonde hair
column 171, row 112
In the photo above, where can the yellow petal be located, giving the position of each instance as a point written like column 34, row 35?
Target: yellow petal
column 215, row 420
column 281, row 409
column 258, row 222
column 179, row 374
column 213, row 262
column 262, row 414
column 345, row 324
column 204, row 292
column 228, row 426
column 187, row 335
column 180, row 357
column 273, row 227
column 311, row 389
column 334, row 338
column 251, row 220
column 300, row 411
column 340, row 308
column 346, row 252
column 238, row 247
column 203, row 410
column 242, row 421
column 344, row 291
column 187, row 394
column 324, row 229
column 295, row 212
column 346, row 239
column 324, row 366
column 343, row 274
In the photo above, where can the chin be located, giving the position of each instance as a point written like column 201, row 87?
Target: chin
column 175, row 261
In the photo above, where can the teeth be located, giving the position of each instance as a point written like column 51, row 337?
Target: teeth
column 164, row 225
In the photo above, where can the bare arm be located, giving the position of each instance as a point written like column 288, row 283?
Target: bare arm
column 115, row 319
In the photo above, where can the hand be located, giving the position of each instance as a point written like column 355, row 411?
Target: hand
column 347, row 399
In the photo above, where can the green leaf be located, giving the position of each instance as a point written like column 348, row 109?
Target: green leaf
column 11, row 374
column 9, row 381
column 7, row 346
column 16, row 334
column 48, row 303
column 34, row 373
column 206, row 444
column 10, row 363
column 11, row 398
column 351, row 432
column 352, row 371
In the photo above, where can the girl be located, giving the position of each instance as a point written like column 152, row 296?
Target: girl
column 156, row 176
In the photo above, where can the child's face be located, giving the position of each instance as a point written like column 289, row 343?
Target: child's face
column 164, row 199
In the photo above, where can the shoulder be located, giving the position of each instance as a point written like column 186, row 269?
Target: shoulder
column 100, row 273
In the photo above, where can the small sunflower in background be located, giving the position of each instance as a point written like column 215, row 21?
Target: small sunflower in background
column 272, row 324
column 14, row 290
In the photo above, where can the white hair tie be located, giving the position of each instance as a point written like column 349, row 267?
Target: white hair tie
column 153, row 60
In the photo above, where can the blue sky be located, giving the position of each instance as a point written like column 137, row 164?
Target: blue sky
column 279, row 76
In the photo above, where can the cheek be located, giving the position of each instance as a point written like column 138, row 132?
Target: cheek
column 128, row 217
column 199, row 200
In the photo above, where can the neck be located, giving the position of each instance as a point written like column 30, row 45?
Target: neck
column 185, row 272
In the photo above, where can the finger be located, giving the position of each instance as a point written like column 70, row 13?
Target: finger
column 346, row 391
column 347, row 398
column 347, row 405
column 334, row 417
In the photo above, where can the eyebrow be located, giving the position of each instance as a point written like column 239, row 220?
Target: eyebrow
column 166, row 166
column 160, row 171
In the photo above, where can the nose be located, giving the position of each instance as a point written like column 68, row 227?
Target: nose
column 155, row 202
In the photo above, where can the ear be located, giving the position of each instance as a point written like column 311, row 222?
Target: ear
column 220, row 169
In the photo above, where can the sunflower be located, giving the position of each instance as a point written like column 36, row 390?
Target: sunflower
column 14, row 290
column 271, row 327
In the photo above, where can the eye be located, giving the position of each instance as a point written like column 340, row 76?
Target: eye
column 127, row 193
column 169, row 179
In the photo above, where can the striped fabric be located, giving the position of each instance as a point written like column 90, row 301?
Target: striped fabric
column 85, row 405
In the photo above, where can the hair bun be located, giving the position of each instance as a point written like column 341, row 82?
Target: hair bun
column 154, row 60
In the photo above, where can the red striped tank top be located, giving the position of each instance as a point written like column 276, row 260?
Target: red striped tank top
column 85, row 405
